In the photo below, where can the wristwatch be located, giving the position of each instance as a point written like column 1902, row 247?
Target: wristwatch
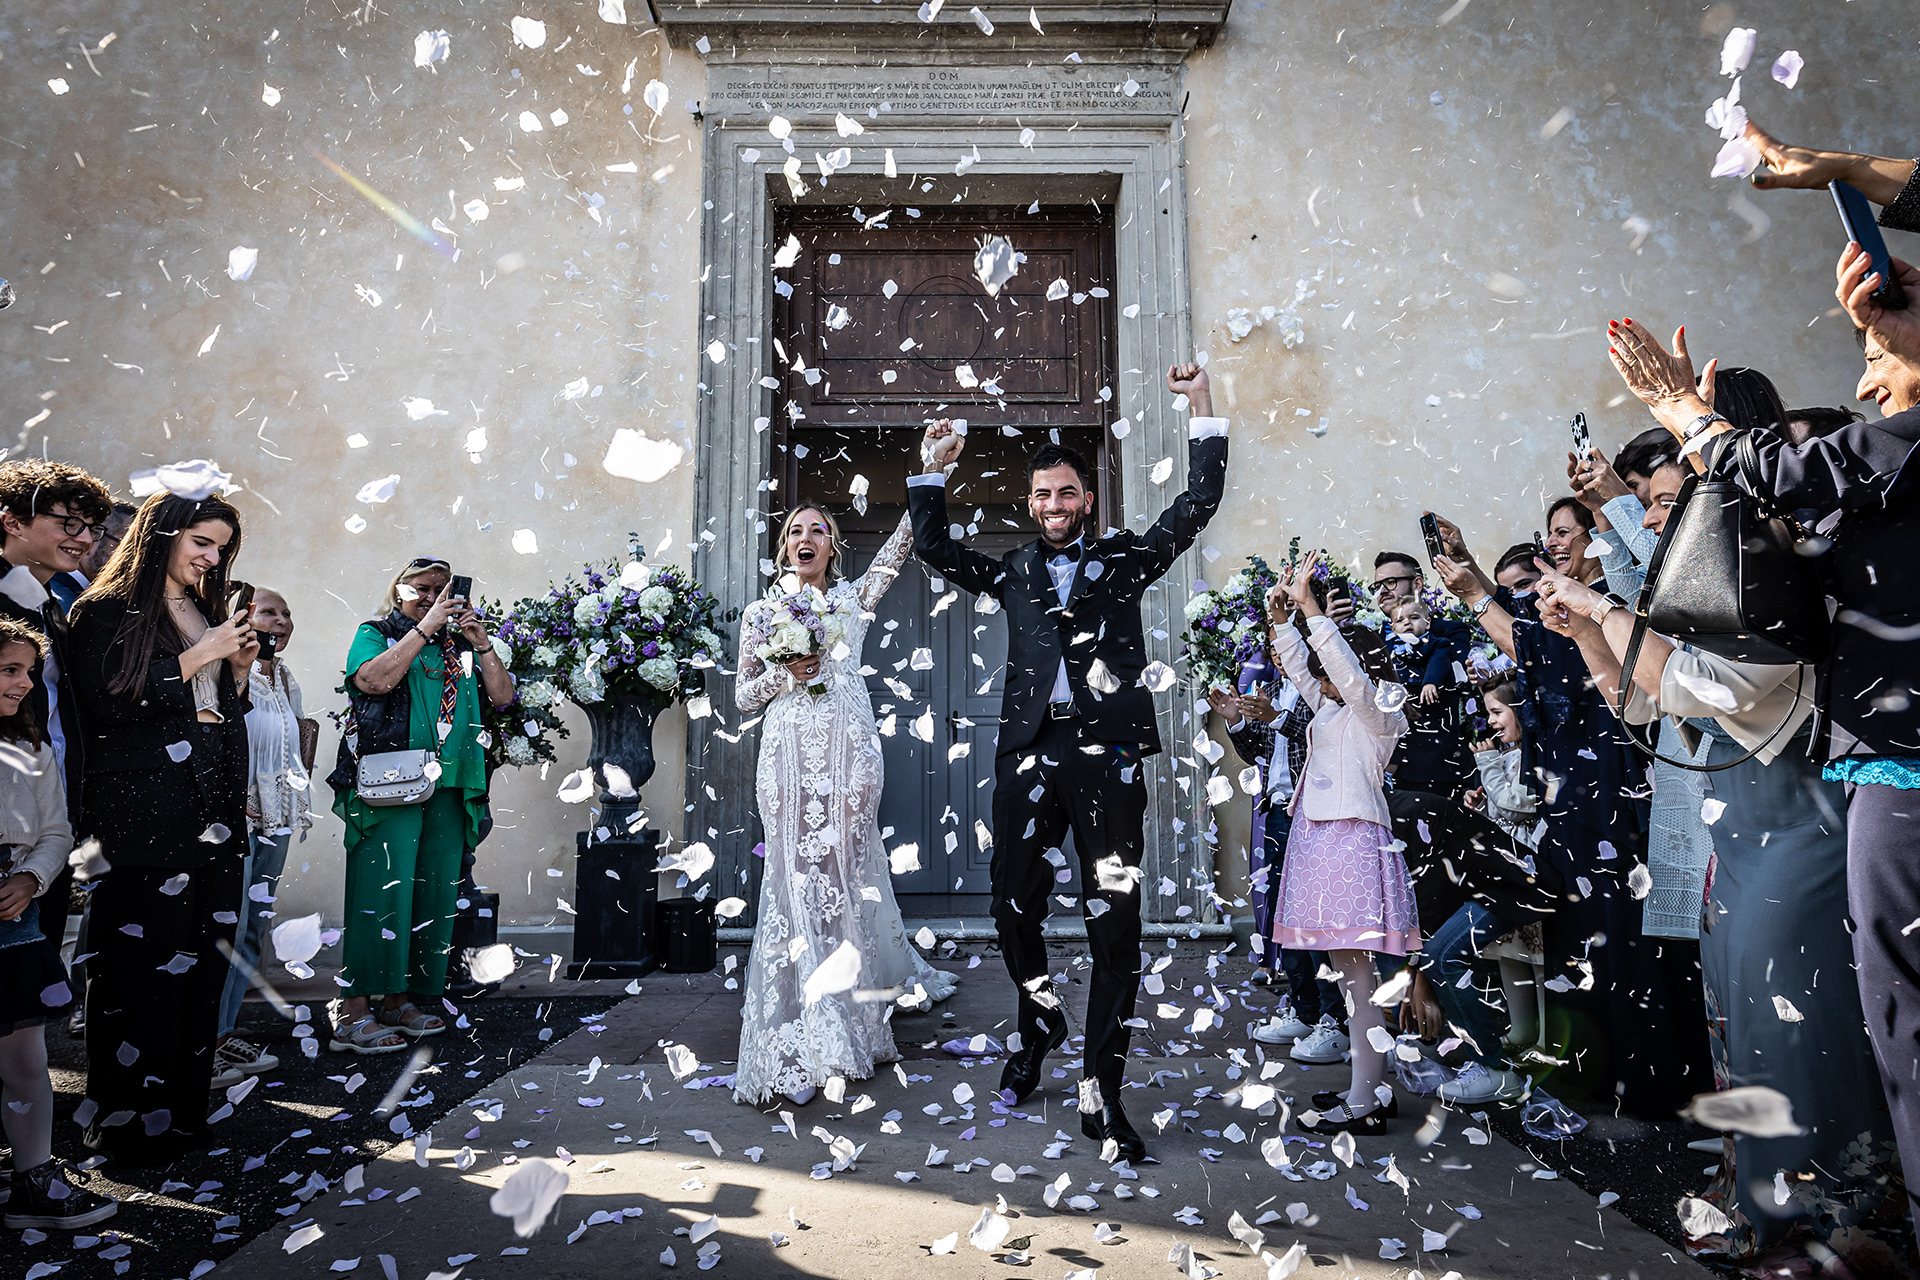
column 1701, row 423
column 1479, row 607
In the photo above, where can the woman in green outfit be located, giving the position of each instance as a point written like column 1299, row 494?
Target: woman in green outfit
column 416, row 675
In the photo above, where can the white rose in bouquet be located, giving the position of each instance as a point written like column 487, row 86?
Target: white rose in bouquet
column 661, row 673
column 654, row 602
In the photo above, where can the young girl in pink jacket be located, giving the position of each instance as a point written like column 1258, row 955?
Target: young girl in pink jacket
column 1344, row 887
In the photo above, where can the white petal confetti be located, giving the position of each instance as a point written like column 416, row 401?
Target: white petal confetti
column 529, row 33
column 530, row 1193
column 1786, row 68
column 430, row 47
column 838, row 972
column 241, row 262
column 1752, row 1109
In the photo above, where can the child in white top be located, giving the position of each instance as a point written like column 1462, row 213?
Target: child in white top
column 35, row 838
column 1505, row 796
column 1344, row 887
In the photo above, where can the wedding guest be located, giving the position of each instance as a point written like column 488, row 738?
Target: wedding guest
column 51, row 518
column 1868, row 692
column 1515, row 569
column 160, row 670
column 35, row 838
column 1775, row 925
column 278, row 805
column 68, row 584
column 414, row 676
column 1397, row 576
column 1344, row 889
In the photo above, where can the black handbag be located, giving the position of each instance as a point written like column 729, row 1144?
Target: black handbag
column 1745, row 584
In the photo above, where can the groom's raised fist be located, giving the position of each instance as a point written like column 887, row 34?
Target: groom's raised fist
column 1190, row 380
column 942, row 446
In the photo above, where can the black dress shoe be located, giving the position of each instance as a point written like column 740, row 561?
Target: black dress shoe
column 1111, row 1122
column 1339, row 1120
column 1331, row 1098
column 1021, row 1075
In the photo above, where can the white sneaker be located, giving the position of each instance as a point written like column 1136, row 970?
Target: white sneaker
column 243, row 1056
column 1285, row 1028
column 1475, row 1084
column 225, row 1078
column 1325, row 1044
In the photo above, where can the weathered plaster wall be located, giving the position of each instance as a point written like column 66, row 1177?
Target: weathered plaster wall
column 1467, row 257
column 184, row 161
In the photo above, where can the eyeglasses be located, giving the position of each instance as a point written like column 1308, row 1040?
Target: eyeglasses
column 74, row 526
column 1380, row 583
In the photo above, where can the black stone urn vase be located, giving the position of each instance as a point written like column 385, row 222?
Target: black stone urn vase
column 614, row 930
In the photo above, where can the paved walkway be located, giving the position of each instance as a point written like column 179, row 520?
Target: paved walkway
column 654, row 1165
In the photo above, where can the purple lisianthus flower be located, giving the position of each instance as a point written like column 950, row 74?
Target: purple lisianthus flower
column 649, row 649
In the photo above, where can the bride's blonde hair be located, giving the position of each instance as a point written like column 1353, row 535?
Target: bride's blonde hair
column 780, row 560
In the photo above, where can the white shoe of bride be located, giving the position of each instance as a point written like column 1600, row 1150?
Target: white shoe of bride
column 801, row 1097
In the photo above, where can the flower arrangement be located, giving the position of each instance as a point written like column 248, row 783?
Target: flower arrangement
column 620, row 630
column 1226, row 627
column 800, row 623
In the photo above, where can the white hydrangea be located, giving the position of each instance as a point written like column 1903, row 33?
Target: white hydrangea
column 505, row 650
column 589, row 611
column 654, row 602
column 539, row 693
column 1198, row 605
column 546, row 656
column 519, row 751
column 709, row 641
column 661, row 673
column 587, row 684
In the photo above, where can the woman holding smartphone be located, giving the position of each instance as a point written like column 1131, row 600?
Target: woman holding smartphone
column 161, row 673
column 415, row 676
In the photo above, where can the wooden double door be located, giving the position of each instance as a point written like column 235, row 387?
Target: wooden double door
column 1022, row 368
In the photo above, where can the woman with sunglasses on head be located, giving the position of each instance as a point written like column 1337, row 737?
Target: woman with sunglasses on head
column 415, row 676
column 161, row 672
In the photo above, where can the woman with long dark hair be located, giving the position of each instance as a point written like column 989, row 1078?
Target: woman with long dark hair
column 161, row 670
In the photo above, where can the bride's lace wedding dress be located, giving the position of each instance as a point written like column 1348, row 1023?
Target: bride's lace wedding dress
column 826, row 879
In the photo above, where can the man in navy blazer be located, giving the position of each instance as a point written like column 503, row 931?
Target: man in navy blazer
column 1076, row 724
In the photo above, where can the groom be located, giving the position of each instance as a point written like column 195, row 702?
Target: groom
column 1076, row 724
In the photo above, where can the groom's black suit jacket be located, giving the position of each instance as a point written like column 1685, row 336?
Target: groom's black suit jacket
column 1101, row 619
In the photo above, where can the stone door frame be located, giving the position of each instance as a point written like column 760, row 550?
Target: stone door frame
column 1137, row 164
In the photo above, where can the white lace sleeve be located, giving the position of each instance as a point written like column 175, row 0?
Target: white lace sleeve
column 886, row 564
column 756, row 684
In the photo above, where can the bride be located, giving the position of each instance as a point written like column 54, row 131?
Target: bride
column 825, row 884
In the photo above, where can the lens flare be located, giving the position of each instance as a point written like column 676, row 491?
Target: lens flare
column 407, row 221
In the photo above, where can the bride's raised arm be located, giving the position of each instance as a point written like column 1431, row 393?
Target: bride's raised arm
column 755, row 684
column 886, row 564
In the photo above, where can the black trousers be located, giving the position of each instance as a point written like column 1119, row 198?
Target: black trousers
column 151, row 1031
column 1067, row 781
column 1883, row 896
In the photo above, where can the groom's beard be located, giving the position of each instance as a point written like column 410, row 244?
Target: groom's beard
column 1070, row 535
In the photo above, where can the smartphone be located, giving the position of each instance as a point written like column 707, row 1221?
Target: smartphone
column 1430, row 530
column 462, row 588
column 1856, row 215
column 1540, row 549
column 243, row 597
column 1582, row 439
column 268, row 642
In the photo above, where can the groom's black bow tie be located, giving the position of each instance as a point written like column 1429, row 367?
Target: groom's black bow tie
column 1070, row 552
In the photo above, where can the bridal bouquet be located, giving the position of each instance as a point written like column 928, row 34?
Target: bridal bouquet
column 799, row 624
column 1226, row 627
